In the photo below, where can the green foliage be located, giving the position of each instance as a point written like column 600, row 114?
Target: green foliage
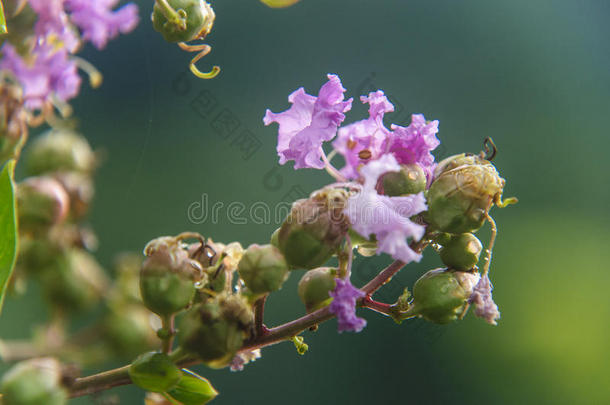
column 8, row 227
column 193, row 389
column 154, row 372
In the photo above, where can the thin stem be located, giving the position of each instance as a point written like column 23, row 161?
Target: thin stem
column 100, row 382
column 169, row 328
column 381, row 307
column 259, row 311
column 332, row 170
column 490, row 246
column 383, row 277
column 172, row 15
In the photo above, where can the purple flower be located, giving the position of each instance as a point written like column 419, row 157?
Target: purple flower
column 98, row 22
column 386, row 217
column 241, row 359
column 309, row 123
column 50, row 74
column 414, row 144
column 364, row 140
column 53, row 23
column 343, row 306
column 485, row 307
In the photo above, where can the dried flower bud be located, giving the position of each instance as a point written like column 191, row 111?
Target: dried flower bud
column 314, row 229
column 34, row 382
column 13, row 121
column 441, row 295
column 154, row 372
column 215, row 330
column 168, row 276
column 411, row 179
column 461, row 252
column 198, row 18
column 60, row 151
column 315, row 286
column 464, row 189
column 42, row 202
column 263, row 269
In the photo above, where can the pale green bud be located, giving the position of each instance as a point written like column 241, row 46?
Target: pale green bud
column 315, row 286
column 34, row 382
column 263, row 269
column 461, row 252
column 411, row 179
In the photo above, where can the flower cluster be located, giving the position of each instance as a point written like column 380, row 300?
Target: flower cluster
column 47, row 70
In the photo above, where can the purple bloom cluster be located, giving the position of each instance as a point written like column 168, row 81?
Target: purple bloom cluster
column 344, row 306
column 484, row 305
column 49, row 72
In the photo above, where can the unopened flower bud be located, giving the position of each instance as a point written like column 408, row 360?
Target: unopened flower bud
column 441, row 295
column 128, row 331
column 74, row 282
column 154, row 372
column 462, row 193
column 34, row 382
column 314, row 229
column 215, row 330
column 315, row 286
column 41, row 202
column 263, row 269
column 168, row 276
column 411, row 179
column 60, row 151
column 196, row 20
column 461, row 252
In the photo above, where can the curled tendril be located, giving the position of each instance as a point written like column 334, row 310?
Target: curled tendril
column 490, row 149
column 203, row 50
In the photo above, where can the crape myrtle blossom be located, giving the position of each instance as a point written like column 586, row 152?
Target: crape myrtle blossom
column 51, row 72
column 309, row 123
column 414, row 144
column 48, row 73
column 484, row 305
column 387, row 218
column 367, row 139
column 343, row 306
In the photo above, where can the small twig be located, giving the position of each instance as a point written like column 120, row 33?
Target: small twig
column 259, row 311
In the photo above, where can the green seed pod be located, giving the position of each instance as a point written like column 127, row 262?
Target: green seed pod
column 411, row 179
column 42, row 203
column 462, row 193
column 215, row 330
column 75, row 282
column 34, row 382
column 263, row 269
column 315, row 286
column 80, row 190
column 168, row 277
column 197, row 20
column 440, row 295
column 60, row 151
column 461, row 252
column 154, row 372
column 314, row 229
column 127, row 330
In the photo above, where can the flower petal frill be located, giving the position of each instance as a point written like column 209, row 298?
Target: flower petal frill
column 484, row 305
column 386, row 217
column 343, row 306
column 309, row 123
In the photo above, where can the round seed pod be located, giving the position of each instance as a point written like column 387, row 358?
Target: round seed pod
column 215, row 330
column 462, row 193
column 314, row 229
column 168, row 277
column 441, row 295
column 59, row 151
column 42, row 203
column 315, row 286
column 461, row 252
column 34, row 382
column 411, row 179
column 263, row 269
column 198, row 20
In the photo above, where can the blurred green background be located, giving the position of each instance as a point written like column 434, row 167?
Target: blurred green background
column 535, row 75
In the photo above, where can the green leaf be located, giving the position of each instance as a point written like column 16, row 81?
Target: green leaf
column 3, row 29
column 193, row 389
column 8, row 227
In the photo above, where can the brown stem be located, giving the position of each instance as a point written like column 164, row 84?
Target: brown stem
column 259, row 312
column 381, row 307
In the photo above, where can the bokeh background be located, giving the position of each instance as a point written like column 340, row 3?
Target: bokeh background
column 534, row 75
